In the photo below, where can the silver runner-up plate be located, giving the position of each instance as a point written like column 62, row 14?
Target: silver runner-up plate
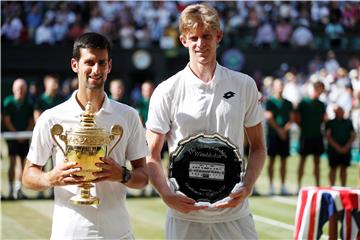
column 206, row 167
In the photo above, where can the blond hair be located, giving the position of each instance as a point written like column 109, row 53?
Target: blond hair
column 198, row 15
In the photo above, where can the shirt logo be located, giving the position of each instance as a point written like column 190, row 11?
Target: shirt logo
column 229, row 94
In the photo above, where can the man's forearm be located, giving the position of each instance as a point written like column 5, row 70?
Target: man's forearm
column 139, row 178
column 34, row 178
column 255, row 164
column 157, row 177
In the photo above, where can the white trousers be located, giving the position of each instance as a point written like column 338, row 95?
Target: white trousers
column 243, row 228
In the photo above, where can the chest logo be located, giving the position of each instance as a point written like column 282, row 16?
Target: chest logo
column 229, row 94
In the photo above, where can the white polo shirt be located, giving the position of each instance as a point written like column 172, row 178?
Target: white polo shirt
column 184, row 105
column 108, row 220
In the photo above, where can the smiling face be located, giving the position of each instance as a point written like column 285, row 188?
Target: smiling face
column 202, row 44
column 92, row 68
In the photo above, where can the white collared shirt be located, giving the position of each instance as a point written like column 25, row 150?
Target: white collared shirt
column 184, row 105
column 109, row 220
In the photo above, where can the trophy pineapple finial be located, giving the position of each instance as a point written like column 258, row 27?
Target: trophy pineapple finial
column 88, row 118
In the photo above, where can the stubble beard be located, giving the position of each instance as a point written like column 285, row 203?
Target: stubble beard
column 94, row 86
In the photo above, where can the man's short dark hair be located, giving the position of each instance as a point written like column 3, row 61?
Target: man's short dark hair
column 90, row 40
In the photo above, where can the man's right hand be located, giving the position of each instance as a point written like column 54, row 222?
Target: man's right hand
column 63, row 174
column 181, row 203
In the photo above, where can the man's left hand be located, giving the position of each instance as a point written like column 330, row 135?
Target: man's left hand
column 111, row 170
column 236, row 198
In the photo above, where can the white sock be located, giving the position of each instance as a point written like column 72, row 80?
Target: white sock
column 17, row 185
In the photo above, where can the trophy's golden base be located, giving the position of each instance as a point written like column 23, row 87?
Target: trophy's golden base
column 85, row 197
column 77, row 200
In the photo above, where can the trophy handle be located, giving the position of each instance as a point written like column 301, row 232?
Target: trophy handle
column 57, row 129
column 116, row 130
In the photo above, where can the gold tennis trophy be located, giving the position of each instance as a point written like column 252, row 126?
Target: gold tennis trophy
column 86, row 144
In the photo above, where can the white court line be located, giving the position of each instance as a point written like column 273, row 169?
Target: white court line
column 280, row 224
column 274, row 222
column 285, row 200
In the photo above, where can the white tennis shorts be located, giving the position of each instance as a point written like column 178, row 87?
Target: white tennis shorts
column 243, row 228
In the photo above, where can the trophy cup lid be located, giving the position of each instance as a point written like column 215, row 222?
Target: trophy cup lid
column 87, row 133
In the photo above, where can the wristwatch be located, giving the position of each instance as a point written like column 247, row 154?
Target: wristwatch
column 126, row 175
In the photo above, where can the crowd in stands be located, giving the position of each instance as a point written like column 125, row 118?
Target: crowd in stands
column 145, row 24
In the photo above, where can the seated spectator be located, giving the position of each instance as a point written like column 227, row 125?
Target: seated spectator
column 126, row 35
column 350, row 14
column 76, row 29
column 331, row 63
column 44, row 34
column 170, row 38
column 355, row 79
column 284, row 31
column 334, row 32
column 11, row 29
column 302, row 36
column 292, row 89
column 315, row 64
column 265, row 35
column 33, row 19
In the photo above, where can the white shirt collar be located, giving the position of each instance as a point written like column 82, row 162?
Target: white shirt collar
column 195, row 81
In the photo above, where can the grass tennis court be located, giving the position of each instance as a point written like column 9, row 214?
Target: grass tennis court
column 274, row 216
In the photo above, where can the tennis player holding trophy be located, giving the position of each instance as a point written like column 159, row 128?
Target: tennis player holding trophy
column 202, row 112
column 89, row 138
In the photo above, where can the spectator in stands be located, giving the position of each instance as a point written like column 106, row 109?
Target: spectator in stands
column 340, row 136
column 51, row 96
column 334, row 32
column 345, row 99
column 284, row 31
column 265, row 35
column 292, row 89
column 142, row 36
column 44, row 34
column 11, row 29
column 126, row 35
column 34, row 19
column 279, row 116
column 117, row 90
column 142, row 106
column 350, row 14
column 91, row 62
column 355, row 79
column 151, row 18
column 310, row 115
column 315, row 64
column 331, row 64
column 253, row 20
column 302, row 36
column 18, row 116
column 60, row 29
column 77, row 28
column 169, row 39
column 353, row 61
column 96, row 20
